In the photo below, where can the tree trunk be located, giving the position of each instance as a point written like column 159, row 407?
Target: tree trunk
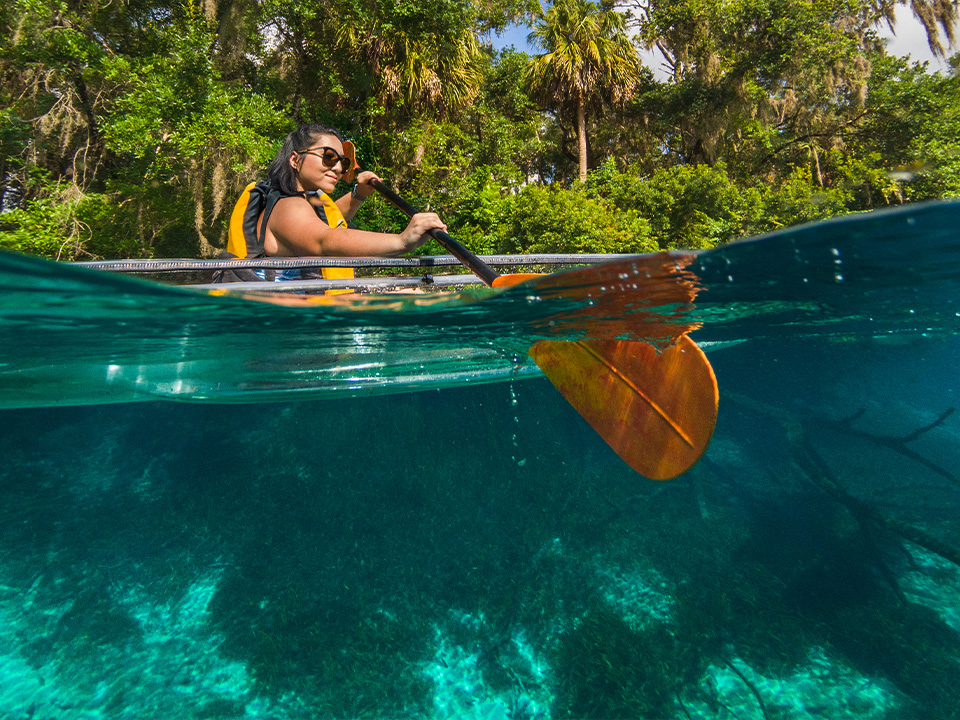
column 582, row 138
column 816, row 165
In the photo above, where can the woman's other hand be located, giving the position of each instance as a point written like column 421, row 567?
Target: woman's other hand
column 364, row 188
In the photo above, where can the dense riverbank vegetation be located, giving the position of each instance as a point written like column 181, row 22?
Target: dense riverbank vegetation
column 127, row 129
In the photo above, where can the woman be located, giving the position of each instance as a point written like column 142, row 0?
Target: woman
column 306, row 221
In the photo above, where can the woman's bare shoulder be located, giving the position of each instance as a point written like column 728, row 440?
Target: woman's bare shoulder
column 295, row 228
column 293, row 209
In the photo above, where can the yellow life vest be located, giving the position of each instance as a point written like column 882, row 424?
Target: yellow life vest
column 243, row 240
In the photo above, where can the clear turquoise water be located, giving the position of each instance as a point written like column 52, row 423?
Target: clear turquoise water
column 474, row 550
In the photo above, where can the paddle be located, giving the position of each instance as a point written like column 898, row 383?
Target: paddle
column 656, row 410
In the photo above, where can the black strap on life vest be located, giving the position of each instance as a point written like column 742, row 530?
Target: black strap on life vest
column 261, row 200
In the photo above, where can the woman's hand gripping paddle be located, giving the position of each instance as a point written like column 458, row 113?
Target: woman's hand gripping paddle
column 656, row 410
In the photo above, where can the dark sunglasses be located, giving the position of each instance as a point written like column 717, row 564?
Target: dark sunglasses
column 330, row 157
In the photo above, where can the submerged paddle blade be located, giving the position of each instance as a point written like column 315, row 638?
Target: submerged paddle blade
column 656, row 410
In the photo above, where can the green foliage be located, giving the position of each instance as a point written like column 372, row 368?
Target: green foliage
column 182, row 130
column 797, row 199
column 910, row 139
column 149, row 117
column 139, row 221
column 497, row 14
column 417, row 59
column 798, row 66
column 690, row 207
column 698, row 207
column 169, row 143
column 46, row 227
column 557, row 220
column 506, row 123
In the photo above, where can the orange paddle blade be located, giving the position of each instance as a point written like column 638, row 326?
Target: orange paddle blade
column 515, row 279
column 656, row 410
column 350, row 173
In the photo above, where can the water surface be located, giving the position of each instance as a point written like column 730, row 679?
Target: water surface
column 474, row 549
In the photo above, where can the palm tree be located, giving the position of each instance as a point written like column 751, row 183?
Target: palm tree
column 418, row 64
column 588, row 60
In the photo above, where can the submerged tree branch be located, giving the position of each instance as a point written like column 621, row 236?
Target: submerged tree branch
column 818, row 471
column 750, row 685
column 897, row 444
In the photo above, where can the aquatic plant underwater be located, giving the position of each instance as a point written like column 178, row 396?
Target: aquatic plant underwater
column 478, row 552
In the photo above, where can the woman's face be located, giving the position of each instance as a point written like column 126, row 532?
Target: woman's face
column 313, row 172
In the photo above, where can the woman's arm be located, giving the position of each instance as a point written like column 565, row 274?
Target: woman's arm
column 294, row 229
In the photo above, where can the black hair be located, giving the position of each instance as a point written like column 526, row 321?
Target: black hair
column 280, row 174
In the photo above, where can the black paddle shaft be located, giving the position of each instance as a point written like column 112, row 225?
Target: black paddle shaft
column 477, row 266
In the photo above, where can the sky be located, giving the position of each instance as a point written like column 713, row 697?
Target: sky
column 910, row 39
